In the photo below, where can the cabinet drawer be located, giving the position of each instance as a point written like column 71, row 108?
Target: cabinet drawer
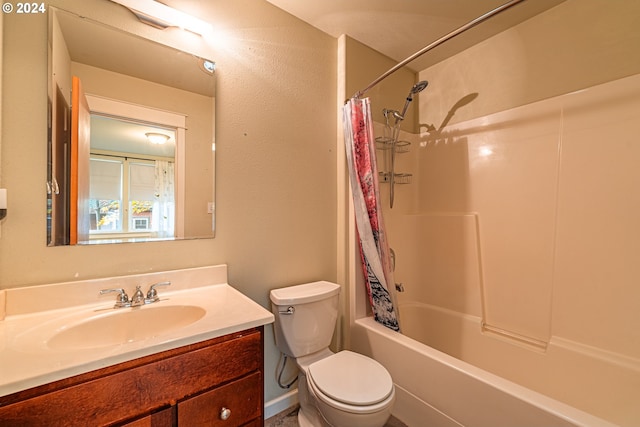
column 239, row 397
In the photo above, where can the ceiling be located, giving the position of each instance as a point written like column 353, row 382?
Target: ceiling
column 106, row 47
column 398, row 29
column 121, row 136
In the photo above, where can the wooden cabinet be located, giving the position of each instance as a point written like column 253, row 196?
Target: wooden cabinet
column 234, row 401
column 189, row 386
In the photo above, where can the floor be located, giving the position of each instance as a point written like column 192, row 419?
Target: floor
column 289, row 418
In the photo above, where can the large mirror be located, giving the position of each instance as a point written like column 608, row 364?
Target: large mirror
column 131, row 146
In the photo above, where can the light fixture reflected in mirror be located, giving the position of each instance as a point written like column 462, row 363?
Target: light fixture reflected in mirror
column 157, row 138
column 162, row 16
column 207, row 66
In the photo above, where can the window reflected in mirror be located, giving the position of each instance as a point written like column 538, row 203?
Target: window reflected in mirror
column 132, row 180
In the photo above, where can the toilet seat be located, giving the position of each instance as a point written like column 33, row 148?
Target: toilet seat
column 351, row 382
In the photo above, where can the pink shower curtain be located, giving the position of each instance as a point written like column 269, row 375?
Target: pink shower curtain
column 363, row 174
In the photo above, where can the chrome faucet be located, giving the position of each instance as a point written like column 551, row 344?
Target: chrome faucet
column 138, row 298
column 122, row 300
column 152, row 294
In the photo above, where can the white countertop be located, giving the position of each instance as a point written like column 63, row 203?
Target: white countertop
column 27, row 361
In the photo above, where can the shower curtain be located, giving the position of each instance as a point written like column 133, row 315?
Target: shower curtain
column 363, row 175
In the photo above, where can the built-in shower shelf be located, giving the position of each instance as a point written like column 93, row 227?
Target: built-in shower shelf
column 386, row 143
column 399, row 178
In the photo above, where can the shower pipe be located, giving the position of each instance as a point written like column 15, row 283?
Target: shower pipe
column 417, row 88
column 436, row 43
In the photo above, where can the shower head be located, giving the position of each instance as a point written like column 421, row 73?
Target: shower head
column 418, row 87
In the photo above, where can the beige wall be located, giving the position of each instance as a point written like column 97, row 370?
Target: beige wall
column 362, row 66
column 276, row 144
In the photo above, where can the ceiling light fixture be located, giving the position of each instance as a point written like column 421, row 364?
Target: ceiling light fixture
column 207, row 66
column 157, row 138
column 162, row 16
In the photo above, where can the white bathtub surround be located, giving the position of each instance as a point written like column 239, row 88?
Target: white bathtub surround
column 605, row 376
column 516, row 247
column 436, row 389
column 36, row 314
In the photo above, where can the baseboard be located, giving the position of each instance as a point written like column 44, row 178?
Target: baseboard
column 280, row 403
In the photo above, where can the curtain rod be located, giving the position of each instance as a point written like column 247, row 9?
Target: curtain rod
column 438, row 42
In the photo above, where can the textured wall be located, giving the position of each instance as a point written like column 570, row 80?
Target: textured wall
column 275, row 175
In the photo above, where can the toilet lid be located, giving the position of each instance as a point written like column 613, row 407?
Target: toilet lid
column 351, row 378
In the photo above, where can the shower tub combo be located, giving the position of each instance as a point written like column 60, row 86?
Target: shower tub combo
column 456, row 365
column 516, row 300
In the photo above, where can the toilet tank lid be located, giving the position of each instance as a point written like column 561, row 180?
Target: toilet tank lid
column 302, row 294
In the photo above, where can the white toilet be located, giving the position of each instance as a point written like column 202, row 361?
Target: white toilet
column 343, row 389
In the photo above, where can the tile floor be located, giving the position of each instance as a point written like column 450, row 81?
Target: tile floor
column 289, row 418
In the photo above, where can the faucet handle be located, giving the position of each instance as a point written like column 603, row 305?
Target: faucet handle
column 122, row 300
column 152, row 294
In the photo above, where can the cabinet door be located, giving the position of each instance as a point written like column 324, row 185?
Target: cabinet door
column 238, row 397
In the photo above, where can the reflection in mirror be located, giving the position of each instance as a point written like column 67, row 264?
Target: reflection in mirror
column 132, row 179
column 112, row 94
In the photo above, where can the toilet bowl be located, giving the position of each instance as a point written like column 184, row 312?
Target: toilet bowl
column 343, row 389
column 351, row 390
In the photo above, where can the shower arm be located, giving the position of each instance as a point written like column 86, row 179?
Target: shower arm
column 436, row 43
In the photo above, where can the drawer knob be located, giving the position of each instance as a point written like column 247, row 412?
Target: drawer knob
column 225, row 413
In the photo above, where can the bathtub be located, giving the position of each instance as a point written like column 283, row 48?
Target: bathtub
column 435, row 389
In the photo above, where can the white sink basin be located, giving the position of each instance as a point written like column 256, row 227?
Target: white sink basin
column 125, row 325
column 44, row 339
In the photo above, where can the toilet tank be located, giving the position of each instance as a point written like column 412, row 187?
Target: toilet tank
column 305, row 317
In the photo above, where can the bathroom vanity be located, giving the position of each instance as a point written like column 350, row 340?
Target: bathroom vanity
column 215, row 382
column 207, row 372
